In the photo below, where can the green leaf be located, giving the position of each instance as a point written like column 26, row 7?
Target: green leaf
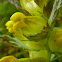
column 15, row 41
column 30, row 6
column 56, row 6
column 35, row 46
column 30, row 45
column 20, row 44
column 40, row 3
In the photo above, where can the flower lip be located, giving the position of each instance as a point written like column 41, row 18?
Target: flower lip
column 17, row 16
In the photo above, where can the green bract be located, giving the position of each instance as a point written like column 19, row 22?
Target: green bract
column 55, row 40
column 31, row 7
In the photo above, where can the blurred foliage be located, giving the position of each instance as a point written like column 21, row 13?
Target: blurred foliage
column 6, row 48
column 6, row 10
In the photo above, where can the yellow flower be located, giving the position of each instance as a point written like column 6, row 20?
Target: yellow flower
column 9, row 24
column 9, row 59
column 17, row 16
column 20, row 24
column 13, row 59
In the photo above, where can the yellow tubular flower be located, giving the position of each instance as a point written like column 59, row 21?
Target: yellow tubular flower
column 20, row 24
column 16, row 21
